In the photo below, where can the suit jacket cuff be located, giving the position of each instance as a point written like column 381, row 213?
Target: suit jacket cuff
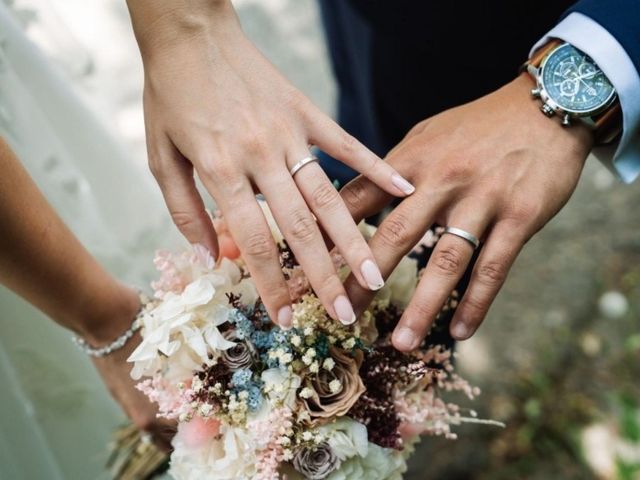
column 589, row 36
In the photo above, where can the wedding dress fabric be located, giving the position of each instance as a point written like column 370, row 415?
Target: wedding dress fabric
column 56, row 416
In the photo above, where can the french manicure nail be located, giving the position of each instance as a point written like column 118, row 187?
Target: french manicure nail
column 371, row 274
column 460, row 331
column 285, row 315
column 344, row 310
column 402, row 184
column 405, row 338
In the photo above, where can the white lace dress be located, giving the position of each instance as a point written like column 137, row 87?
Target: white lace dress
column 55, row 416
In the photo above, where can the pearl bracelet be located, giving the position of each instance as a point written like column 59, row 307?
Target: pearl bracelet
column 119, row 342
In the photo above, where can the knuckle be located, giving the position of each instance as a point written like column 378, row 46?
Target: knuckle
column 423, row 311
column 275, row 292
column 394, row 231
column 156, row 169
column 355, row 248
column 213, row 169
column 448, row 260
column 297, row 100
column 327, row 284
column 324, row 196
column 223, row 174
column 187, row 222
column 303, row 228
column 259, row 246
column 456, row 171
column 492, row 273
column 353, row 194
column 348, row 143
column 523, row 211
column 256, row 144
column 473, row 308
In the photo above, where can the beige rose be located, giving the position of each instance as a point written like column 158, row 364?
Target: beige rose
column 325, row 403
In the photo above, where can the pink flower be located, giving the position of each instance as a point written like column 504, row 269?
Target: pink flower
column 270, row 451
column 196, row 432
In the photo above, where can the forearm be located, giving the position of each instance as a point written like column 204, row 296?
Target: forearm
column 43, row 262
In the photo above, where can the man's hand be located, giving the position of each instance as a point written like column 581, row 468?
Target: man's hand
column 213, row 103
column 496, row 168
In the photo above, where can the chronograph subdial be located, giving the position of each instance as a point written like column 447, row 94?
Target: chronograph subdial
column 569, row 87
column 587, row 70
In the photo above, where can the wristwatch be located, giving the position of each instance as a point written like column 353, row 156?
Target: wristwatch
column 572, row 86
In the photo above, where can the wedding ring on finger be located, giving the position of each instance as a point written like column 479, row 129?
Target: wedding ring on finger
column 305, row 161
column 458, row 232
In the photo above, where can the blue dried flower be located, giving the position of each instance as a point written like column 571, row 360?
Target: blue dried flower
column 255, row 397
column 262, row 340
column 279, row 336
column 241, row 378
column 244, row 327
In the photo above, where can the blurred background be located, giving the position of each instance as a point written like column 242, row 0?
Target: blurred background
column 558, row 359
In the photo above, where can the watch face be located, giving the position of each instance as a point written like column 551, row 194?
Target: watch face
column 574, row 81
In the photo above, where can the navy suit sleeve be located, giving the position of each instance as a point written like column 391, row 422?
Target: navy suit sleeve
column 621, row 18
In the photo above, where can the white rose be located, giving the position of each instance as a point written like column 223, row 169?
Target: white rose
column 402, row 283
column 379, row 464
column 188, row 321
column 346, row 437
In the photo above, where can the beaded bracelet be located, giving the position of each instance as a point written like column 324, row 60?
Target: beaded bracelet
column 119, row 342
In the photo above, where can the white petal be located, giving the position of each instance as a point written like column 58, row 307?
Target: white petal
column 215, row 339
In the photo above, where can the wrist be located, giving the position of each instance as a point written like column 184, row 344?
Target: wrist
column 577, row 136
column 158, row 24
column 106, row 316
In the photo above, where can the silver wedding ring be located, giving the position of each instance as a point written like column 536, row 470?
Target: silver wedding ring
column 305, row 161
column 469, row 237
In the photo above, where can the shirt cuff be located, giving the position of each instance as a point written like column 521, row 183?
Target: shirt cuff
column 589, row 36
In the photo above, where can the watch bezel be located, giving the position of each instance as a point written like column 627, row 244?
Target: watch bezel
column 546, row 98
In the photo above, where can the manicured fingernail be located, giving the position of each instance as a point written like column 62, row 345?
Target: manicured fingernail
column 405, row 339
column 371, row 274
column 460, row 331
column 285, row 315
column 402, row 184
column 344, row 310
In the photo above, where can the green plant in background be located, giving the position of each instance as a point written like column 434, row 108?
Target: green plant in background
column 628, row 455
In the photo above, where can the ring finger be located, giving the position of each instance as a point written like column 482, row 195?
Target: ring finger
column 444, row 270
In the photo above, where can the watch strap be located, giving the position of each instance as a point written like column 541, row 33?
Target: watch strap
column 540, row 54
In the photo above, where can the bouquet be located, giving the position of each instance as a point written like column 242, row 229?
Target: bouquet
column 318, row 401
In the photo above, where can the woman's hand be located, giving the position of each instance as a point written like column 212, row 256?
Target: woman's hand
column 109, row 315
column 213, row 103
column 496, row 168
column 114, row 370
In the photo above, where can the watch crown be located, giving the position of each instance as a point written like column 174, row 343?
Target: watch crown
column 566, row 120
column 535, row 92
column 547, row 110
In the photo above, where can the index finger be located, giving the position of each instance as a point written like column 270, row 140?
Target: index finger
column 364, row 198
